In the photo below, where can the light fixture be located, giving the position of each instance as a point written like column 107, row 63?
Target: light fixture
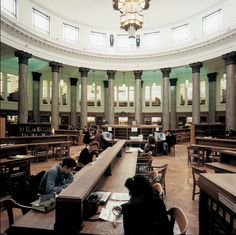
column 131, row 18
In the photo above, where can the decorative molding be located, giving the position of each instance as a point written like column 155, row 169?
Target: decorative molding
column 19, row 37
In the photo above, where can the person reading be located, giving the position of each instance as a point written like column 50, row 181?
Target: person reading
column 89, row 154
column 144, row 213
column 57, row 177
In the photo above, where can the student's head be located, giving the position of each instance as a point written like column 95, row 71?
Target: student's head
column 68, row 164
column 151, row 140
column 138, row 186
column 99, row 131
column 93, row 146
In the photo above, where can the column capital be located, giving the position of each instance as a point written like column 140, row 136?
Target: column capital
column 105, row 82
column 212, row 77
column 229, row 58
column 84, row 71
column 138, row 74
column 111, row 74
column 196, row 67
column 73, row 81
column 55, row 66
column 173, row 81
column 36, row 76
column 166, row 72
column 23, row 57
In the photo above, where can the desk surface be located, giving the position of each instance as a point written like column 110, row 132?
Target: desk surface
column 121, row 171
column 216, row 184
column 39, row 222
column 213, row 148
column 221, row 167
column 5, row 161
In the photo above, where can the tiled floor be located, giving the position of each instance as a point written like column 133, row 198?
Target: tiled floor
column 178, row 184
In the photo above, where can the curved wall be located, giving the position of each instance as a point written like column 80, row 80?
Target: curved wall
column 20, row 34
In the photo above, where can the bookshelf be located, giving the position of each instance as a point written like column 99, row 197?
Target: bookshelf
column 124, row 131
column 215, row 130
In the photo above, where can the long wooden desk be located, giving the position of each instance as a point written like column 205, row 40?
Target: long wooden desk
column 217, row 204
column 33, row 139
column 219, row 167
column 14, row 149
column 141, row 143
column 70, row 200
column 217, row 142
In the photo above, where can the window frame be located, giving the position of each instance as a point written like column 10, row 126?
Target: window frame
column 46, row 17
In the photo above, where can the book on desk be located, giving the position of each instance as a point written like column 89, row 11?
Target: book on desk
column 45, row 203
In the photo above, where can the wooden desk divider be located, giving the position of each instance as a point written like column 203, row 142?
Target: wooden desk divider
column 69, row 203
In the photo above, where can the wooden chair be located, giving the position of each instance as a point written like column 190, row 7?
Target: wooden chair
column 41, row 151
column 196, row 172
column 144, row 165
column 159, row 188
column 177, row 215
column 15, row 171
column 195, row 154
column 8, row 204
column 161, row 175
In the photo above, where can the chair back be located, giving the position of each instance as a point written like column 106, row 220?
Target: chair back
column 196, row 172
column 162, row 173
column 158, row 187
column 177, row 215
column 8, row 204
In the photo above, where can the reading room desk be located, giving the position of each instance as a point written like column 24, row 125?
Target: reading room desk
column 217, row 204
column 67, row 215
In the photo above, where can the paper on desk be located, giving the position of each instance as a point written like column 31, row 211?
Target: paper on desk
column 107, row 214
column 120, row 196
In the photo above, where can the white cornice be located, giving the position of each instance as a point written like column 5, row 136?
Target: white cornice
column 17, row 36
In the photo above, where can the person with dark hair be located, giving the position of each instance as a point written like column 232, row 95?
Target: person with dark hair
column 87, row 137
column 103, row 143
column 144, row 213
column 57, row 177
column 89, row 154
column 149, row 147
column 169, row 142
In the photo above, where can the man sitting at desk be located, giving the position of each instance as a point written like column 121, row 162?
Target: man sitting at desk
column 103, row 143
column 58, row 177
column 88, row 154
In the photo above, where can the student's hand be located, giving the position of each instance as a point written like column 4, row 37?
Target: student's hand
column 116, row 210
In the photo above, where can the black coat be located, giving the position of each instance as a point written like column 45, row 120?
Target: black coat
column 145, row 216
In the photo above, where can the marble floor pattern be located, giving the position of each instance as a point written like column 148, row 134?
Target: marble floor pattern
column 178, row 184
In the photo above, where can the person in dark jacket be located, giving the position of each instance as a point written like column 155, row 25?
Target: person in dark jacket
column 87, row 137
column 89, row 154
column 145, row 213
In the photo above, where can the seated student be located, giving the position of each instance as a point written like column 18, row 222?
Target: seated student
column 87, row 137
column 169, row 142
column 148, row 147
column 103, row 143
column 89, row 154
column 144, row 213
column 57, row 177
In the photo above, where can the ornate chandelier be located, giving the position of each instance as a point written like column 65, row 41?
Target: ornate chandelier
column 131, row 18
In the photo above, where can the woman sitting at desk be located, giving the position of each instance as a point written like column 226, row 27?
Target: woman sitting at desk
column 145, row 213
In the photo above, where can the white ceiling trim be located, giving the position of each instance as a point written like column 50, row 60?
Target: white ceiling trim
column 19, row 37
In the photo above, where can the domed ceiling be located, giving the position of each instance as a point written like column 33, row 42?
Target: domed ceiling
column 101, row 15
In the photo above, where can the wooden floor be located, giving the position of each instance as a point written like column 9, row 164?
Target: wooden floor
column 178, row 184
